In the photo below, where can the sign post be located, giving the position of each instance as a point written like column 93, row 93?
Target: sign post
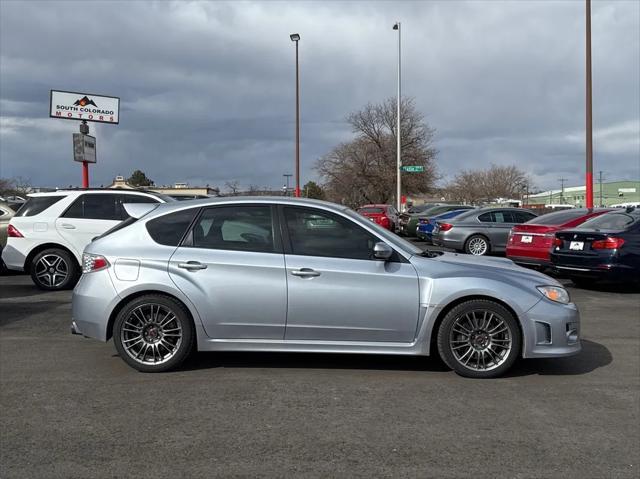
column 84, row 107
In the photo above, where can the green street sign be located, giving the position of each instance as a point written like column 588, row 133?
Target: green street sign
column 413, row 169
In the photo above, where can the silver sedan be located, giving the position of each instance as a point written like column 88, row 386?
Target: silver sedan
column 285, row 274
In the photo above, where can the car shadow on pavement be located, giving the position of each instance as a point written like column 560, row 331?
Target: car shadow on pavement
column 19, row 290
column 205, row 360
column 593, row 356
column 625, row 288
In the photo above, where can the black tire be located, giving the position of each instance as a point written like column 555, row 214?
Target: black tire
column 61, row 263
column 475, row 309
column 139, row 306
column 472, row 241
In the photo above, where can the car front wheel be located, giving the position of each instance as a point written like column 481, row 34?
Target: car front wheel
column 479, row 339
column 154, row 333
column 54, row 269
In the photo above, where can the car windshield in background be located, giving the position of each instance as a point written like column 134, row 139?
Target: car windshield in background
column 558, row 218
column 37, row 204
column 364, row 211
column 610, row 221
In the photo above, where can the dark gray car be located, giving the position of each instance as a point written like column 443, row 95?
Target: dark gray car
column 480, row 232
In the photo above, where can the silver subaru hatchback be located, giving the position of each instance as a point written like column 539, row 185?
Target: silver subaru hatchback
column 286, row 274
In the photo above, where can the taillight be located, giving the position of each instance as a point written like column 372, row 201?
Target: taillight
column 445, row 226
column 93, row 262
column 558, row 242
column 609, row 243
column 12, row 232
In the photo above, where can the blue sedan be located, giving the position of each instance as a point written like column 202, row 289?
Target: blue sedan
column 426, row 225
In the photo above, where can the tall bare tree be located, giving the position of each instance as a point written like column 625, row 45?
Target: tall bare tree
column 232, row 187
column 363, row 170
column 484, row 186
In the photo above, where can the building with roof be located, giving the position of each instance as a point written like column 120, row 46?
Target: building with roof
column 178, row 189
column 614, row 193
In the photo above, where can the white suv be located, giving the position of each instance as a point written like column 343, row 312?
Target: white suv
column 47, row 235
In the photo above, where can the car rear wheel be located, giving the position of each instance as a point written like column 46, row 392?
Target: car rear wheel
column 154, row 333
column 477, row 245
column 479, row 339
column 54, row 269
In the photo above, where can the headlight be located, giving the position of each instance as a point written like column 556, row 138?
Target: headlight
column 555, row 293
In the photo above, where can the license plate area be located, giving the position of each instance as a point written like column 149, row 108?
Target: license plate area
column 576, row 245
column 526, row 239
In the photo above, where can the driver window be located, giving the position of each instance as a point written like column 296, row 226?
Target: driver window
column 319, row 233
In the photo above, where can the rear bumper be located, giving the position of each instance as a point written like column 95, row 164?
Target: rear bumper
column 529, row 261
column 551, row 330
column 613, row 272
column 93, row 300
column 13, row 257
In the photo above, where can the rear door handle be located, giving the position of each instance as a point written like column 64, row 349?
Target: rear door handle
column 67, row 226
column 192, row 265
column 305, row 273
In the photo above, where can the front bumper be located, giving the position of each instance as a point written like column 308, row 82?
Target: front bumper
column 551, row 330
column 93, row 300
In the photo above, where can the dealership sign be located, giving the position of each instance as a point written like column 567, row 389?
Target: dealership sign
column 84, row 106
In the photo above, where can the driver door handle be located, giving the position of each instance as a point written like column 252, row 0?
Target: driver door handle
column 67, row 226
column 192, row 265
column 305, row 272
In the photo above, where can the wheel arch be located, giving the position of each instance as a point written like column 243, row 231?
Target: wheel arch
column 433, row 348
column 124, row 301
column 42, row 247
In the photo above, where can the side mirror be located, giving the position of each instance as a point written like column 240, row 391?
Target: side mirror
column 382, row 251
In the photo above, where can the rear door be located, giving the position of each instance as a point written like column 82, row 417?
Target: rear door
column 501, row 223
column 231, row 267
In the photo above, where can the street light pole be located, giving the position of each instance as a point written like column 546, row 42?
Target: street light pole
column 398, row 136
column 295, row 37
column 589, row 126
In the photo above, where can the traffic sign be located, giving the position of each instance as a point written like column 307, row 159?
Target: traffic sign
column 84, row 148
column 413, row 169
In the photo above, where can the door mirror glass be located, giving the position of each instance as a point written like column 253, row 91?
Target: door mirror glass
column 382, row 251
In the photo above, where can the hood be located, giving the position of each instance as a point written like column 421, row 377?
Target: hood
column 454, row 264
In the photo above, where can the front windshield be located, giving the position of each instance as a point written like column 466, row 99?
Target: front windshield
column 393, row 239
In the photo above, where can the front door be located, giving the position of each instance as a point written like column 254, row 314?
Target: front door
column 337, row 291
column 231, row 267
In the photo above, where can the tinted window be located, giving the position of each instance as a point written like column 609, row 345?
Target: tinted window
column 132, row 199
column 558, row 218
column 169, row 229
column 522, row 216
column 318, row 233
column 239, row 228
column 37, row 204
column 609, row 221
column 95, row 206
column 363, row 211
column 486, row 218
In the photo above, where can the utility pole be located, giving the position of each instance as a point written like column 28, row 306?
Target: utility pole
column 589, row 119
column 295, row 37
column 562, row 181
column 398, row 135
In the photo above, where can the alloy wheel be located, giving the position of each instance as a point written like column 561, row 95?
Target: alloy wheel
column 480, row 340
column 52, row 270
column 151, row 334
column 477, row 246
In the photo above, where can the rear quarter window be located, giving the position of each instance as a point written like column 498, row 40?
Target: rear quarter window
column 37, row 204
column 169, row 229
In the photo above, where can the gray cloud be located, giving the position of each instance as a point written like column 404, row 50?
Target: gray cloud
column 207, row 87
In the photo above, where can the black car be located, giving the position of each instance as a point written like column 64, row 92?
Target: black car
column 604, row 248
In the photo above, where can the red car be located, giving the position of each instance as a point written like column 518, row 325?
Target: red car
column 385, row 215
column 530, row 243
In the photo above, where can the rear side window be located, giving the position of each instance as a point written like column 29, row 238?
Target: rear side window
column 522, row 216
column 37, row 204
column 169, row 229
column 124, row 199
column 96, row 206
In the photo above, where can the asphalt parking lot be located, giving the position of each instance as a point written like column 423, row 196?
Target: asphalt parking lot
column 71, row 408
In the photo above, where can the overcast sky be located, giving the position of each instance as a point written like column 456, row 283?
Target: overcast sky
column 208, row 88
